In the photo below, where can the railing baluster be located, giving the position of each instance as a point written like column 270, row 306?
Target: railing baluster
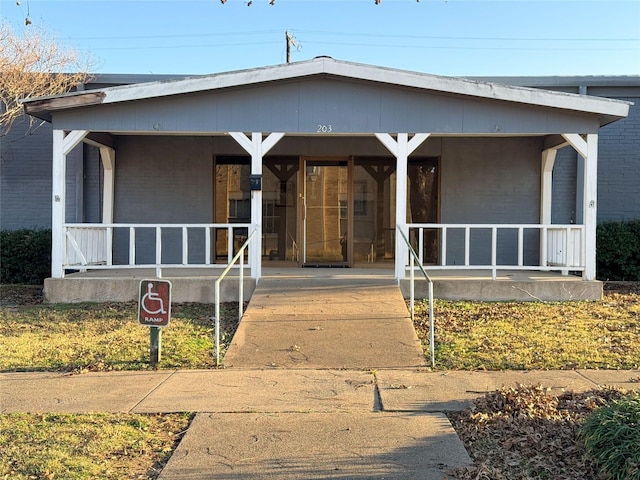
column 185, row 246
column 443, row 247
column 520, row 246
column 467, row 245
column 565, row 247
column 207, row 245
column 109, row 246
column 494, row 251
column 543, row 248
column 132, row 245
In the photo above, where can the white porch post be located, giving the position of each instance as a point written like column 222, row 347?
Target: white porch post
column 257, row 148
column 590, row 205
column 588, row 150
column 62, row 145
column 546, row 193
column 108, row 157
column 401, row 149
column 546, row 184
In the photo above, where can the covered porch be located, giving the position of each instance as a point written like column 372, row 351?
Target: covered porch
column 465, row 173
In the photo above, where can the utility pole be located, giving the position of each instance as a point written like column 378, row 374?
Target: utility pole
column 290, row 41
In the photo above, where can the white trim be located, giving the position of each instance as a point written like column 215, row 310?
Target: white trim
column 108, row 157
column 358, row 71
column 401, row 149
column 58, row 201
column 577, row 142
column 328, row 66
column 257, row 148
column 72, row 139
column 546, row 184
column 590, row 205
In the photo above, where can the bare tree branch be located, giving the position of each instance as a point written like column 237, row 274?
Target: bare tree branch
column 34, row 65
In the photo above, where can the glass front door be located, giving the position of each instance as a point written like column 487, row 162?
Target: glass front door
column 279, row 213
column 327, row 213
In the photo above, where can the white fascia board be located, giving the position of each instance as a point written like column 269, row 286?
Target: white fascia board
column 208, row 82
column 463, row 86
column 356, row 71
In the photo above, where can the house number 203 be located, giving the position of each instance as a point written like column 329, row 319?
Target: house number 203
column 324, row 129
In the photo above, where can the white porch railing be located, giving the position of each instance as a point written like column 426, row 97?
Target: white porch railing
column 93, row 246
column 560, row 247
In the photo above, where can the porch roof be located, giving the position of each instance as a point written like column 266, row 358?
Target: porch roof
column 606, row 110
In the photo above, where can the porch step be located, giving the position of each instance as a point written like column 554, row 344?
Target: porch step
column 325, row 322
column 509, row 286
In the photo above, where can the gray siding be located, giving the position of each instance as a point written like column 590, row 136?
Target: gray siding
column 93, row 183
column 564, row 206
column 507, row 190
column 305, row 105
column 161, row 180
column 25, row 176
column 25, row 179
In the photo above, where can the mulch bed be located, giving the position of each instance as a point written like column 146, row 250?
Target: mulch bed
column 528, row 432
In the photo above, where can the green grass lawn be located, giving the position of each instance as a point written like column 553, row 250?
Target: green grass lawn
column 535, row 335
column 88, row 446
column 106, row 336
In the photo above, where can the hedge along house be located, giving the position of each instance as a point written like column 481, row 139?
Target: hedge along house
column 328, row 161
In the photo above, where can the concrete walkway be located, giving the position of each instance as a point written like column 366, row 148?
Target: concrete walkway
column 326, row 322
column 306, row 424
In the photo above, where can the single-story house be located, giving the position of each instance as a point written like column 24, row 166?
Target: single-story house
column 331, row 163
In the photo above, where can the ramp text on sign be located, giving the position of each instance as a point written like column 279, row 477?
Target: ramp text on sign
column 154, row 306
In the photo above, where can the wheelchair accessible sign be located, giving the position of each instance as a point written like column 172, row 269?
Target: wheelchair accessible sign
column 154, row 306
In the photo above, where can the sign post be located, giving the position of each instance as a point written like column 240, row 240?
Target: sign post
column 154, row 311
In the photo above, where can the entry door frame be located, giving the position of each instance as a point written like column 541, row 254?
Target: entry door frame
column 302, row 185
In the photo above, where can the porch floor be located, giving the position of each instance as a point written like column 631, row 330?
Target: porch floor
column 197, row 284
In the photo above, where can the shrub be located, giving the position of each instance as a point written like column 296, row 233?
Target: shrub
column 25, row 256
column 611, row 436
column 618, row 250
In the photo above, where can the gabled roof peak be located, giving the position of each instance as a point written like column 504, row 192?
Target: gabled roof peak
column 608, row 110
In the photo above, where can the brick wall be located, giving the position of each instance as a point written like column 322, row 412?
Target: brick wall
column 619, row 168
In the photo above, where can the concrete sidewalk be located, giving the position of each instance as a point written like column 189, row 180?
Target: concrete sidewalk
column 307, row 424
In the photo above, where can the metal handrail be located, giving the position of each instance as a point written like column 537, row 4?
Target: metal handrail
column 294, row 248
column 414, row 258
column 239, row 257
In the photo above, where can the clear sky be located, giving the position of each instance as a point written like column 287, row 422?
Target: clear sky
column 445, row 37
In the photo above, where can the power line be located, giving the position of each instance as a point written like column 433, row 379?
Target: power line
column 376, row 45
column 154, row 47
column 186, row 35
column 356, row 34
column 440, row 37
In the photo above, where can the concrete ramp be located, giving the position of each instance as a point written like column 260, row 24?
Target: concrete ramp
column 320, row 322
